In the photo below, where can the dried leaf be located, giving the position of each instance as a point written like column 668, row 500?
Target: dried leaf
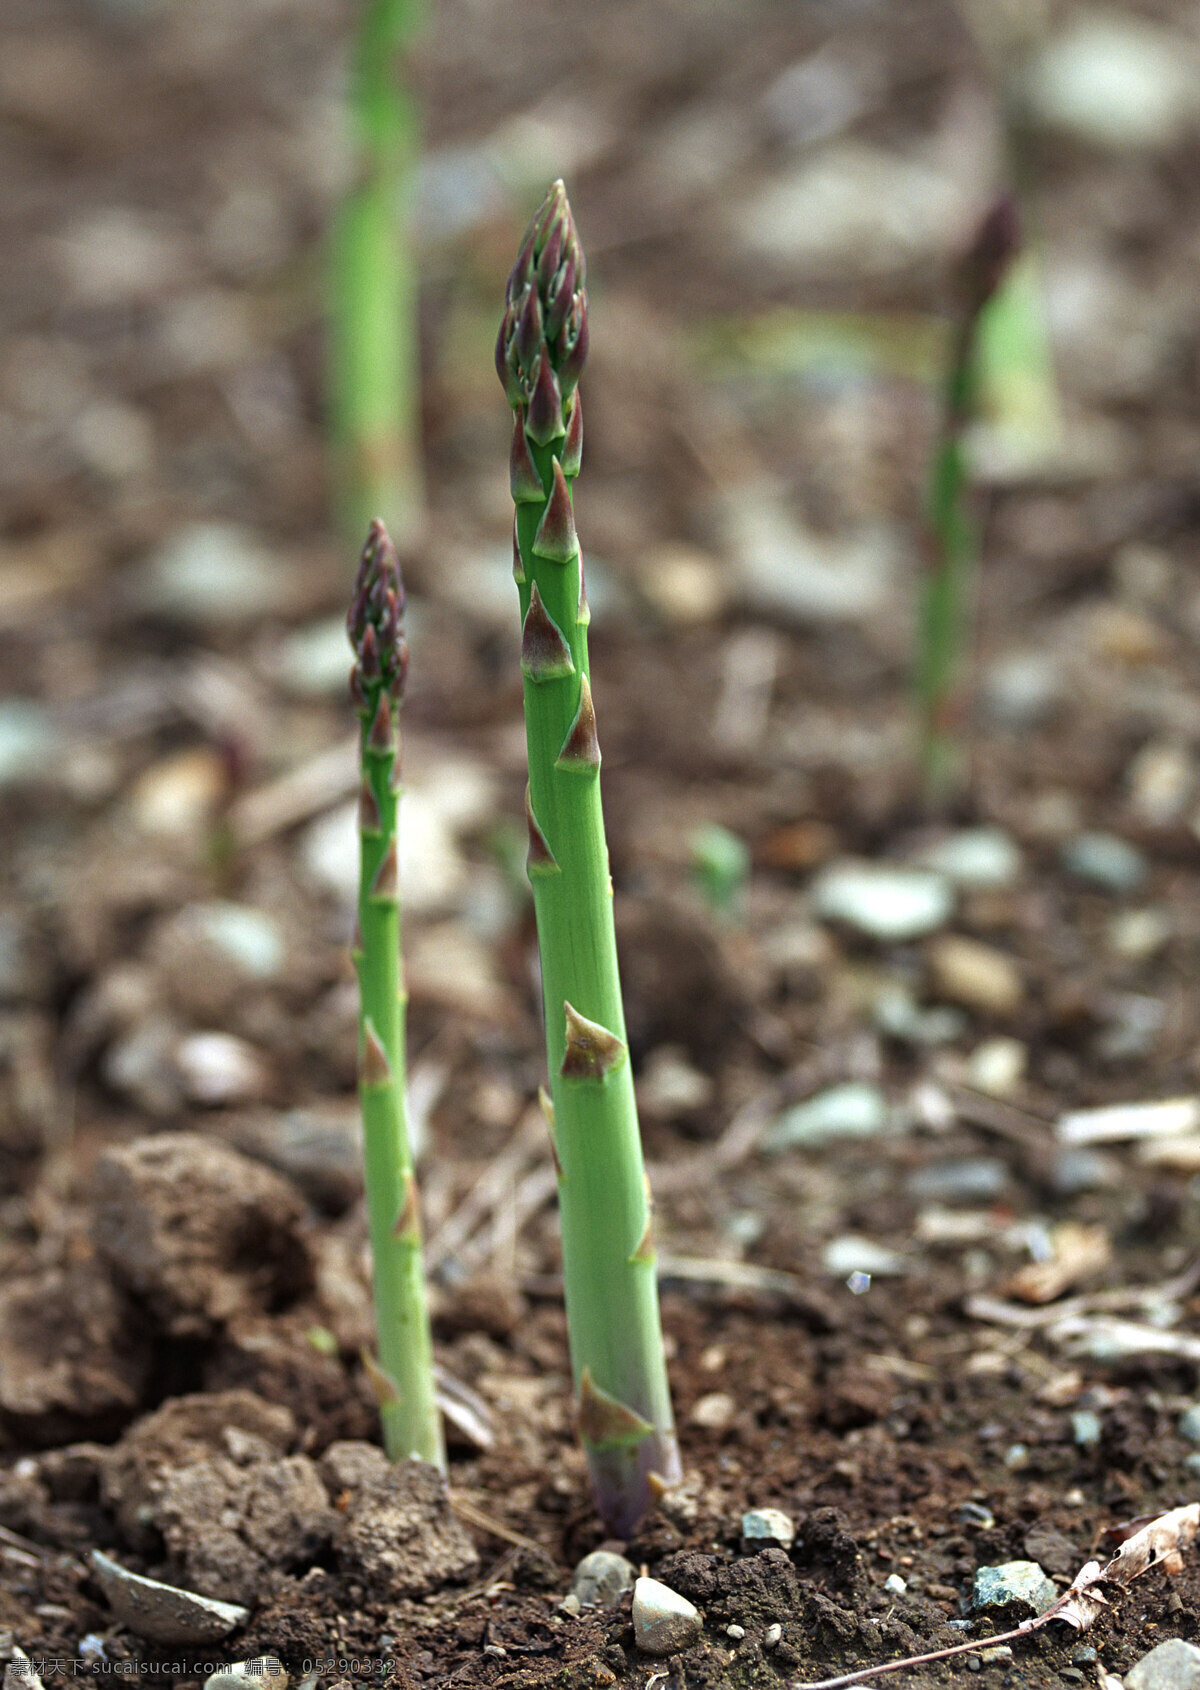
column 1078, row 1253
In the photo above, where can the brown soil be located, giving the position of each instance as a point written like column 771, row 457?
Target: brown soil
column 184, row 1300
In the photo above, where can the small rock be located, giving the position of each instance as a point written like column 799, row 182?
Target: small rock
column 28, row 741
column 1118, row 81
column 266, row 1670
column 895, row 1585
column 1116, row 1122
column 177, row 796
column 772, row 1636
column 799, row 575
column 897, row 1014
column 1086, row 1428
column 601, row 1579
column 684, row 585
column 213, row 573
column 162, row 1613
column 432, row 868
column 1162, row 782
column 1138, row 935
column 670, row 1085
column 312, row 661
column 977, row 858
column 1105, row 860
column 969, row 1179
column 997, row 1066
column 1189, row 1424
column 570, row 1605
column 890, row 904
column 974, row 974
column 1021, row 690
column 1016, row 1457
column 855, row 1109
column 19, row 1673
column 1013, row 1581
column 848, row 1254
column 737, row 1632
column 1192, row 1462
column 663, row 1621
column 991, row 1657
column 713, row 1411
column 975, row 1515
column 1174, row 1665
column 219, row 1068
column 762, row 1527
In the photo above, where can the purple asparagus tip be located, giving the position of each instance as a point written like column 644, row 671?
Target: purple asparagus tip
column 993, row 246
column 545, row 308
column 375, row 624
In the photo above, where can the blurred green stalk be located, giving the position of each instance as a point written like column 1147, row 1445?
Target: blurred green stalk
column 374, row 343
column 403, row 1376
column 947, row 586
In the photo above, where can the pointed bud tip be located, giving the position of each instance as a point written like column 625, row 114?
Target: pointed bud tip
column 606, row 1421
column 592, row 1052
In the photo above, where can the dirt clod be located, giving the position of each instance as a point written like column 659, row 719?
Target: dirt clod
column 397, row 1532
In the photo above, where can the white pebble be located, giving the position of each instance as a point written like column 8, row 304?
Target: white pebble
column 663, row 1620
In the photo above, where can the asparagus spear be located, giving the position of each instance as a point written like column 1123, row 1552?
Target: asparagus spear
column 375, row 379
column 624, row 1405
column 946, row 588
column 403, row 1376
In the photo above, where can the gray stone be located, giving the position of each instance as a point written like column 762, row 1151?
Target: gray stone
column 1105, row 860
column 1174, row 1665
column 601, row 1579
column 887, row 903
column 895, row 1585
column 1117, row 81
column 1021, row 689
column 213, row 573
column 1189, row 1423
column 969, row 1179
column 162, row 1613
column 663, row 1621
column 855, row 1109
column 264, row 1672
column 763, row 1527
column 848, row 1254
column 798, row 575
column 1013, row 1581
column 27, row 740
column 979, row 858
column 1086, row 1428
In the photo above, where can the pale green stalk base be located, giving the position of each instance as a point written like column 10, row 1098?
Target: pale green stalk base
column 374, row 353
column 608, row 1258
column 408, row 1401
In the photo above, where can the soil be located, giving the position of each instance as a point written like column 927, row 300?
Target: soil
column 184, row 1300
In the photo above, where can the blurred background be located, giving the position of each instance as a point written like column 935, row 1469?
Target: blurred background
column 771, row 195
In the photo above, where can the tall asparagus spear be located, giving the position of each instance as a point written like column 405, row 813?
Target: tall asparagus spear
column 404, row 1374
column 948, row 582
column 374, row 374
column 617, row 1358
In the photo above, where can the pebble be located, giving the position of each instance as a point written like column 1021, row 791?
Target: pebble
column 1162, row 782
column 177, row 796
column 28, row 740
column 1022, row 689
column 992, row 1657
column 1192, row 1462
column 1073, row 1171
column 1012, row 1581
column 314, row 661
column 1173, row 1665
column 976, row 975
column 1137, row 935
column 897, row 1014
column 246, row 937
column 968, row 1179
column 601, row 1579
column 977, row 858
column 267, row 1669
column 997, row 1066
column 1086, row 1428
column 890, row 904
column 765, row 1526
column 663, row 1621
column 1189, row 1424
column 1116, row 1122
column 895, row 1585
column 798, row 575
column 162, row 1613
column 670, row 1085
column 848, row 1255
column 432, row 869
column 219, row 1068
column 737, row 1632
column 571, row 1605
column 19, row 1673
column 213, row 573
column 974, row 1514
column 713, row 1411
column 1117, row 81
column 853, row 1110
column 772, row 1635
column 1105, row 860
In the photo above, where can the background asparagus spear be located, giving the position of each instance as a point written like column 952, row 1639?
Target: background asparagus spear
column 374, row 353
column 404, row 1374
column 617, row 1358
column 948, row 582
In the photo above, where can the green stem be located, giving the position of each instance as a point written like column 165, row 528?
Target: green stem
column 374, row 351
column 404, row 1375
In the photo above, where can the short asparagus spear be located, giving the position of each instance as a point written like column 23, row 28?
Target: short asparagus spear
column 619, row 1367
column 947, row 584
column 404, row 1374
